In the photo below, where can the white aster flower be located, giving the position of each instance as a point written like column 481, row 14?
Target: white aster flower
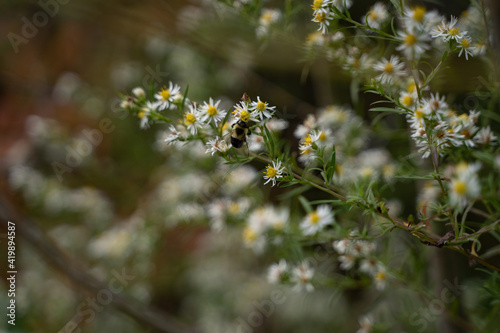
column 464, row 186
column 166, row 95
column 192, row 119
column 485, row 137
column 276, row 272
column 389, row 69
column 377, row 15
column 273, row 172
column 465, row 47
column 413, row 43
column 302, row 276
column 262, row 109
column 216, row 145
column 210, row 112
column 317, row 220
column 173, row 136
column 138, row 92
column 365, row 324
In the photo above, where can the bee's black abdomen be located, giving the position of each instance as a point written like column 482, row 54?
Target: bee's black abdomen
column 236, row 143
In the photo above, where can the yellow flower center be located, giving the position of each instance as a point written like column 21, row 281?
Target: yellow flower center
column 271, row 172
column 410, row 39
column 465, row 43
column 141, row 114
column 322, row 136
column 190, row 118
column 419, row 114
column 320, row 17
column 380, row 276
column 317, row 4
column 389, row 68
column 165, row 94
column 419, row 14
column 453, row 31
column 244, row 115
column 249, row 235
column 261, row 106
column 407, row 100
column 307, row 140
column 305, row 151
column 460, row 187
column 314, row 218
column 366, row 172
column 212, row 111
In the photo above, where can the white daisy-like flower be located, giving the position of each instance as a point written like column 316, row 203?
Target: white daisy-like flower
column 273, row 172
column 192, row 119
column 302, row 276
column 380, row 278
column 138, row 92
column 242, row 112
column 448, row 31
column 369, row 266
column 276, row 272
column 413, row 43
column 319, row 6
column 465, row 46
column 173, row 136
column 309, row 124
column 210, row 112
column 377, row 15
column 262, row 109
column 485, row 137
column 216, row 145
column 341, row 245
column 347, row 262
column 317, row 220
column 365, row 324
column 166, row 95
column 435, row 106
column 145, row 113
column 389, row 69
column 464, row 186
column 323, row 18
column 269, row 16
column 407, row 99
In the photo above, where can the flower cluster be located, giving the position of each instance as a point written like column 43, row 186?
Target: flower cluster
column 301, row 275
column 360, row 253
column 437, row 126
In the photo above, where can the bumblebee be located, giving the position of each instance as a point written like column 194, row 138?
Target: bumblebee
column 239, row 133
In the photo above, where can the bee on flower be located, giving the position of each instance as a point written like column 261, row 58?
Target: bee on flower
column 242, row 112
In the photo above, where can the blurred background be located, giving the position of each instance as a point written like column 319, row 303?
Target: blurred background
column 105, row 206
